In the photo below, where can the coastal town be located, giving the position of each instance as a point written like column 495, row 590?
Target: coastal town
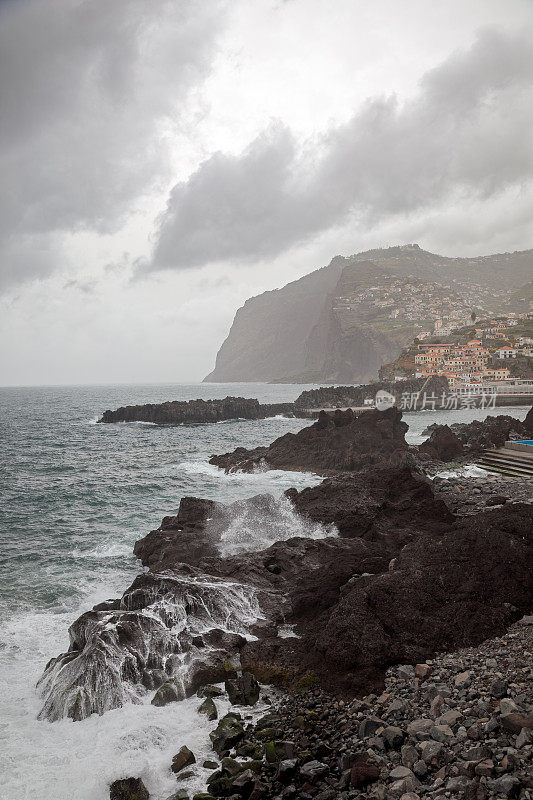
column 496, row 352
column 432, row 307
column 455, row 336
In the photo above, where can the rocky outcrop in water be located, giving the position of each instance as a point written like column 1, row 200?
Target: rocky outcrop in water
column 388, row 576
column 166, row 630
column 346, row 396
column 181, row 412
column 178, row 628
column 396, row 585
column 342, row 441
column 339, row 442
column 447, row 443
column 492, row 432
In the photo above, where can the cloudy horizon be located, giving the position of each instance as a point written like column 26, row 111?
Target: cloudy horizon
column 161, row 163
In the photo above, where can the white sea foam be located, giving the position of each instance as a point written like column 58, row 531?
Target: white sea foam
column 282, row 416
column 260, row 479
column 256, row 527
column 66, row 759
column 109, row 550
column 470, row 471
column 287, row 632
column 135, row 422
column 94, row 421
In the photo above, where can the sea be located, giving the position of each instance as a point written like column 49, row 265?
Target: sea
column 74, row 497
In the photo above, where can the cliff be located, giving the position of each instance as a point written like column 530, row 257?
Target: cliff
column 267, row 341
column 308, row 331
column 351, row 340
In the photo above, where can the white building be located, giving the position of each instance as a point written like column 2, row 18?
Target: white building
column 505, row 352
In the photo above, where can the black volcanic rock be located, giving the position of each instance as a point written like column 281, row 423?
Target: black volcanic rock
column 181, row 412
column 183, row 538
column 402, row 582
column 442, row 445
column 128, row 789
column 376, row 502
column 433, row 599
column 491, row 432
column 195, row 532
column 334, row 443
column 346, row 396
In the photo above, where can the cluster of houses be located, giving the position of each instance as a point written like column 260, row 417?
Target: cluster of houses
column 407, row 298
column 478, row 360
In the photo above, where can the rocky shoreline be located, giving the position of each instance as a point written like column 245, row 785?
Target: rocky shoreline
column 344, row 441
column 459, row 725
column 181, row 412
column 400, row 568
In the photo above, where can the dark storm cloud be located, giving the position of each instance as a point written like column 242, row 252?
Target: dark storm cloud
column 467, row 132
column 84, row 85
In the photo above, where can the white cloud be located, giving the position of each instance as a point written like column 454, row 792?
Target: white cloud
column 87, row 90
column 467, row 130
column 290, row 131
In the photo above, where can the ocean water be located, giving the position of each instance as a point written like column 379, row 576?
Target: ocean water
column 75, row 496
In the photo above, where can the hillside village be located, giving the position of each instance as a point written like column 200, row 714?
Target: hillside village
column 491, row 351
column 395, row 304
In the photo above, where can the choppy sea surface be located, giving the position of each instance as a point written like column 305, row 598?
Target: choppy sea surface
column 75, row 496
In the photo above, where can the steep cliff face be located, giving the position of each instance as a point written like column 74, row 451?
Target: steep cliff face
column 312, row 330
column 347, row 344
column 267, row 341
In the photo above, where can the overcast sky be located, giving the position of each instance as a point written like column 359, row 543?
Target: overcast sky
column 163, row 160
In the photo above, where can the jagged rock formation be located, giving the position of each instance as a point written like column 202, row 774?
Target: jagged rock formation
column 299, row 334
column 346, row 396
column 442, row 445
column 268, row 335
column 393, row 577
column 378, row 503
column 182, row 412
column 197, row 531
column 338, row 442
column 175, row 627
column 341, row 441
column 432, row 600
column 491, row 432
column 180, row 627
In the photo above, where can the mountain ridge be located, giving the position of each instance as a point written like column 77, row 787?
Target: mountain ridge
column 298, row 334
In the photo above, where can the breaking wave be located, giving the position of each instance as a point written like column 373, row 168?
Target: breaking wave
column 120, row 656
column 257, row 525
